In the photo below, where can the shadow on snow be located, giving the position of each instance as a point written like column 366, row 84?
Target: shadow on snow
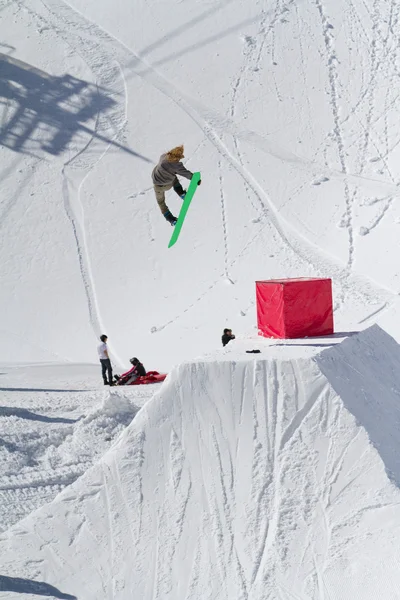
column 44, row 113
column 23, row 413
column 28, row 586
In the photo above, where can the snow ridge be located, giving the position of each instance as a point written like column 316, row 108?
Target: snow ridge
column 250, row 478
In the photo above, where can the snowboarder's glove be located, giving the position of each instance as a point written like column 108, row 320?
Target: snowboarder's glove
column 199, row 182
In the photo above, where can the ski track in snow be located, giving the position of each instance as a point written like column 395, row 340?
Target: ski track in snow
column 367, row 94
column 75, row 213
column 240, row 82
column 109, row 75
column 277, row 428
column 242, row 478
column 224, row 223
column 188, row 308
column 8, row 205
column 70, row 22
column 163, row 85
column 335, row 106
column 49, row 444
column 110, row 535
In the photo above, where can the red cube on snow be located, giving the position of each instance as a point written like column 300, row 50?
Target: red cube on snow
column 294, row 308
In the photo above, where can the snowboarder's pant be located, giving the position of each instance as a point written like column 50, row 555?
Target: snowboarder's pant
column 160, row 193
column 106, row 368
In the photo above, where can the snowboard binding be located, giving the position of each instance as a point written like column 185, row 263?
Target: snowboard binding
column 170, row 218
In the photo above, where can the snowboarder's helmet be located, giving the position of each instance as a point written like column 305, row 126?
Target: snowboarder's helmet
column 134, row 360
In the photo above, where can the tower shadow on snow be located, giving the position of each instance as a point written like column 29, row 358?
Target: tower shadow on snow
column 41, row 389
column 28, row 586
column 23, row 413
column 44, row 113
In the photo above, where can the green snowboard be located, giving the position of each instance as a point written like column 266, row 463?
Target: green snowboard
column 186, row 203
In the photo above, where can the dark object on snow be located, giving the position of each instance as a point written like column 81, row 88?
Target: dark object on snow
column 253, row 351
column 140, row 370
column 150, row 377
column 106, row 369
column 227, row 336
column 129, row 377
column 30, row 586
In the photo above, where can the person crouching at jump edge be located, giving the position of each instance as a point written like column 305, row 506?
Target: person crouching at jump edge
column 165, row 177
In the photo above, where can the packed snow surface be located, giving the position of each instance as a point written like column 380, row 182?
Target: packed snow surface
column 288, row 109
column 262, row 477
column 247, row 476
column 54, row 424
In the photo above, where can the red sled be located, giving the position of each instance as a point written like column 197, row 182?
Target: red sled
column 151, row 377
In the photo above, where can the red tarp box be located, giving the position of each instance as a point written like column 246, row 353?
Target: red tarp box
column 294, row 308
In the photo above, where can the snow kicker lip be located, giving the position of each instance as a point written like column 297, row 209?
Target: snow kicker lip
column 238, row 470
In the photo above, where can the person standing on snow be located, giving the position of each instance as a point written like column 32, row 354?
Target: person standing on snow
column 105, row 361
column 164, row 177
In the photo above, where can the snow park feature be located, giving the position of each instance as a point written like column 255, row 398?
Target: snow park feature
column 269, row 477
column 294, row 308
column 263, row 470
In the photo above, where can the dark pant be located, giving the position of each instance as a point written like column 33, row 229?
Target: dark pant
column 178, row 188
column 160, row 193
column 106, row 368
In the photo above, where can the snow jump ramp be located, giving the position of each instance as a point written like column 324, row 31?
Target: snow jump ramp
column 268, row 477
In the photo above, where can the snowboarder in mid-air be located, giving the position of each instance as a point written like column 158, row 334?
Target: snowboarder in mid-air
column 165, row 177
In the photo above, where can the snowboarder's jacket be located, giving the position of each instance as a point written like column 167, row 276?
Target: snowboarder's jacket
column 166, row 171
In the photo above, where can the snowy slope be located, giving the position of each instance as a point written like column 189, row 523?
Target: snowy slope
column 54, row 424
column 288, row 108
column 272, row 477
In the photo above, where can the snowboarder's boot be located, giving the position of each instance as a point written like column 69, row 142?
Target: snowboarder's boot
column 170, row 218
column 178, row 189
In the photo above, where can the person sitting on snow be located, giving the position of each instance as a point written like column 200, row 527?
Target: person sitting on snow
column 227, row 336
column 130, row 376
column 164, row 177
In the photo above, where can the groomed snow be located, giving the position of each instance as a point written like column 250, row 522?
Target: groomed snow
column 251, row 479
column 270, row 476
column 287, row 108
column 55, row 423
